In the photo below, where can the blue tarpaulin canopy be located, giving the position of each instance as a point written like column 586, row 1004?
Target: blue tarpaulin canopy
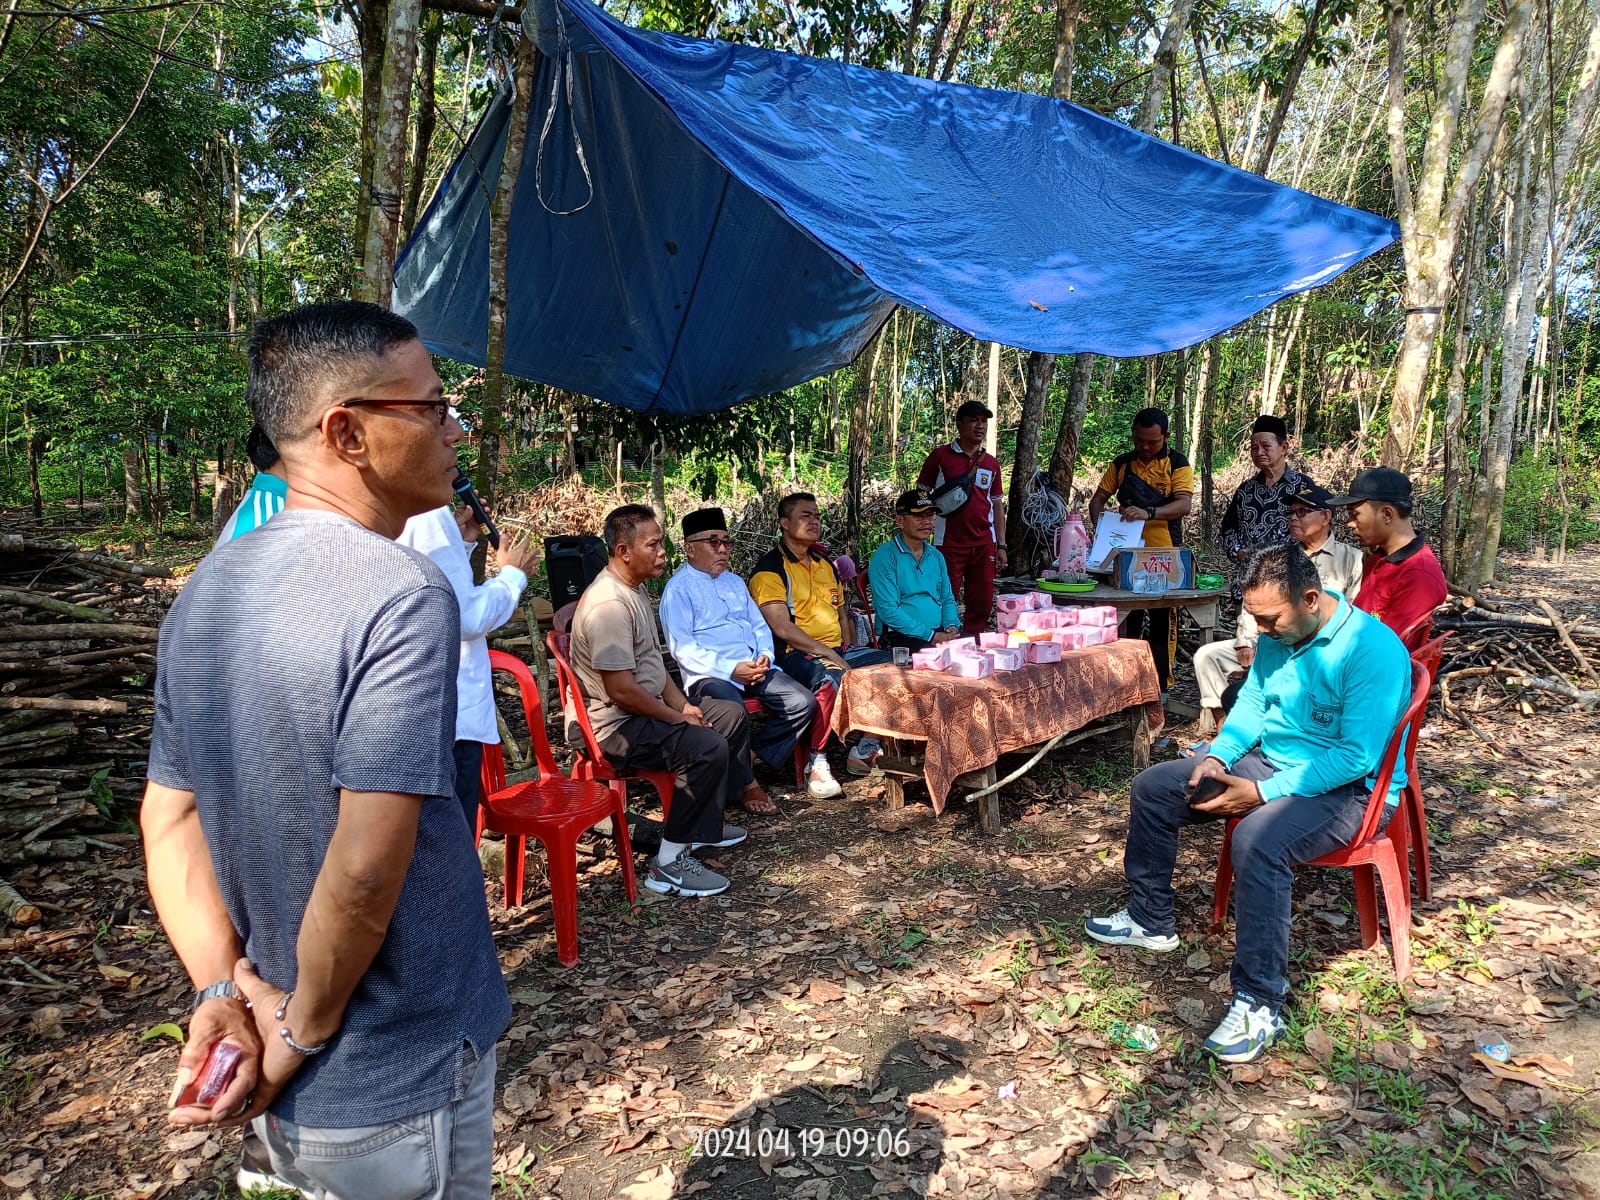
column 698, row 222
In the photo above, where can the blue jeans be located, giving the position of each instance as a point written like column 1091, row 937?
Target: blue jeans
column 1267, row 846
column 791, row 707
column 446, row 1154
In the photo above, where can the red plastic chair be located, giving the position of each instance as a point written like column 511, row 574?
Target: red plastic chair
column 1428, row 657
column 592, row 762
column 553, row 809
column 802, row 750
column 864, row 593
column 1371, row 848
column 1418, row 632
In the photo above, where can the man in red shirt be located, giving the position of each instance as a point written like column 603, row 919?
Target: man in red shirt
column 971, row 537
column 1401, row 581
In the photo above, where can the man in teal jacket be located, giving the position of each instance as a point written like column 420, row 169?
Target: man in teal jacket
column 1296, row 761
column 911, row 592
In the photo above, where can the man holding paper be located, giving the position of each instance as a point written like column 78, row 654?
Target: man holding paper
column 1154, row 484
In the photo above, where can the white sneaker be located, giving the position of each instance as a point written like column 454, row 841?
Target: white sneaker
column 1245, row 1032
column 1120, row 929
column 820, row 782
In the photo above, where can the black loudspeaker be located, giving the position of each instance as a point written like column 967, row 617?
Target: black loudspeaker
column 572, row 564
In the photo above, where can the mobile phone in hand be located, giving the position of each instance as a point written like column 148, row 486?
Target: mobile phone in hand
column 213, row 1077
column 1208, row 788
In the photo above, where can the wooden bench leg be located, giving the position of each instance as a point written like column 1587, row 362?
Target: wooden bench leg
column 1139, row 733
column 894, row 792
column 989, row 807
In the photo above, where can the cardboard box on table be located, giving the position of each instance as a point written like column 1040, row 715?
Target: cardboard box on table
column 1174, row 564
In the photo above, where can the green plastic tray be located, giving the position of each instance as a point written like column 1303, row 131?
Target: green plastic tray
column 1052, row 585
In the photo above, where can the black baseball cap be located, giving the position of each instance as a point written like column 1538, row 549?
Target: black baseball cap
column 1382, row 484
column 973, row 408
column 917, row 500
column 1312, row 495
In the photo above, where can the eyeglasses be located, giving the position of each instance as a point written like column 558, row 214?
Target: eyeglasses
column 446, row 410
column 716, row 543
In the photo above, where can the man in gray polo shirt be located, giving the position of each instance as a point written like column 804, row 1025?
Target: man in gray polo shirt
column 305, row 852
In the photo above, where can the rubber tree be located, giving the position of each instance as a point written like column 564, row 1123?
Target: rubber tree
column 1433, row 205
column 386, row 196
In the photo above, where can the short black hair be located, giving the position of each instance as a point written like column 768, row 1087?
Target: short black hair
column 259, row 449
column 786, row 505
column 293, row 355
column 1402, row 508
column 621, row 523
column 1285, row 567
column 1146, row 417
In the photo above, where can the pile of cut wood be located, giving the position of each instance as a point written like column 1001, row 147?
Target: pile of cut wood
column 1507, row 652
column 77, row 661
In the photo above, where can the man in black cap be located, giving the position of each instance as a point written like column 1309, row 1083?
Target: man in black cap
column 1402, row 582
column 1338, row 566
column 911, row 593
column 970, row 523
column 724, row 647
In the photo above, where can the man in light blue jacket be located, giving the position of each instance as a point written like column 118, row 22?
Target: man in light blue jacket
column 911, row 593
column 1296, row 761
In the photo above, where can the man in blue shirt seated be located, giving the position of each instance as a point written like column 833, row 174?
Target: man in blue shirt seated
column 724, row 646
column 1296, row 760
column 911, row 593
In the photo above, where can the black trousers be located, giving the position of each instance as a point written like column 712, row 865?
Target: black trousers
column 893, row 637
column 469, row 779
column 1157, row 630
column 707, row 760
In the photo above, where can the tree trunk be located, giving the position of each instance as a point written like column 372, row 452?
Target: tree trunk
column 499, row 234
column 860, row 442
column 389, row 155
column 1064, row 460
column 373, row 24
column 1291, row 81
column 132, row 481
column 427, row 118
column 1431, row 218
column 1163, row 65
column 1041, row 369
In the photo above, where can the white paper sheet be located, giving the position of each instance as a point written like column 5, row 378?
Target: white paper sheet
column 1113, row 534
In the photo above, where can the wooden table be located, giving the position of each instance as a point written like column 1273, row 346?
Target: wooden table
column 1202, row 604
column 965, row 725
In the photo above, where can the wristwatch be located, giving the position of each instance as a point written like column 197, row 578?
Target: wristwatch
column 224, row 990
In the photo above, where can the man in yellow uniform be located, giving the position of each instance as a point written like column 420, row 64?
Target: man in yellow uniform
column 801, row 596
column 1153, row 483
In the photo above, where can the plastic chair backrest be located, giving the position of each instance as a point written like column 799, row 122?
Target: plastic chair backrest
column 562, row 621
column 864, row 590
column 1410, row 719
column 532, row 711
column 571, row 692
column 1429, row 654
column 1416, row 633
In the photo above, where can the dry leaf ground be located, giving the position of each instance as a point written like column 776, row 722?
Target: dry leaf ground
column 886, row 1004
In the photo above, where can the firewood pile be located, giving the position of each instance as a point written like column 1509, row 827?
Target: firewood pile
column 1505, row 652
column 77, row 660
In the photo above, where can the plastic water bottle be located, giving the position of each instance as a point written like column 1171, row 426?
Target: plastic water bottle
column 1141, row 581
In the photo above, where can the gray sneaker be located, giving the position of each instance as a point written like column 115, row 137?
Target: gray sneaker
column 685, row 876
column 732, row 835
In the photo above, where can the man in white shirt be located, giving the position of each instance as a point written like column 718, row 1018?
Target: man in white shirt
column 448, row 539
column 724, row 647
column 1338, row 566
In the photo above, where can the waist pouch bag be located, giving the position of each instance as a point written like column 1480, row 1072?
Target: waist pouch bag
column 1135, row 492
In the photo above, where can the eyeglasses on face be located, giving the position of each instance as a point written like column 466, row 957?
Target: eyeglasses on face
column 716, row 543
column 446, row 411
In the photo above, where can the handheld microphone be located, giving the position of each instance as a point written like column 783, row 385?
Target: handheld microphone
column 463, row 488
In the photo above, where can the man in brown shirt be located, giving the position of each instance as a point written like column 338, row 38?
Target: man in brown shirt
column 641, row 719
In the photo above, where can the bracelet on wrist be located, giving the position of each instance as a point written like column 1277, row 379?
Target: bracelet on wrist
column 288, row 1038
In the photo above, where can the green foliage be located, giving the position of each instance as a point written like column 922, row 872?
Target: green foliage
column 1533, row 514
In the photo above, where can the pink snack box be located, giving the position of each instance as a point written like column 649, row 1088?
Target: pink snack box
column 1068, row 616
column 1030, row 622
column 1005, row 622
column 991, row 641
column 1042, row 600
column 934, row 658
column 1013, row 604
column 1043, row 652
column 972, row 666
column 1102, row 614
column 961, row 645
column 1075, row 637
column 1007, row 660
